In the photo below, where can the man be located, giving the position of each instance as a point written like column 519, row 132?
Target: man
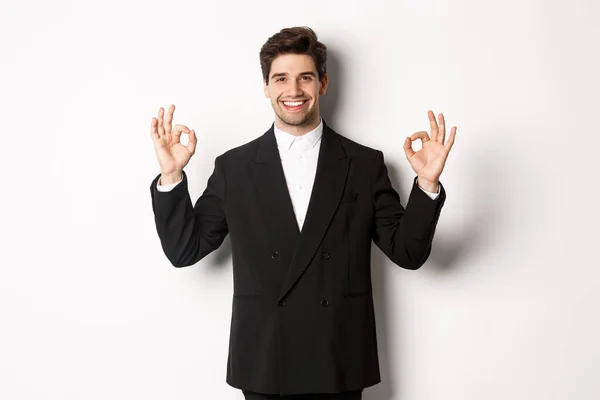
column 301, row 204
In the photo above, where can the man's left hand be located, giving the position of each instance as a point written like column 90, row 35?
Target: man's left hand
column 429, row 162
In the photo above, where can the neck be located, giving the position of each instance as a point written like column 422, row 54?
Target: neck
column 299, row 130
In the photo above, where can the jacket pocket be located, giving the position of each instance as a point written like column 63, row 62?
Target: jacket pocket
column 348, row 197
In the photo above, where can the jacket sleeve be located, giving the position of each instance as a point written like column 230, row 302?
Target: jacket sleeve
column 187, row 234
column 405, row 235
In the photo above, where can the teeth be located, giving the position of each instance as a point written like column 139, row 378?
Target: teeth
column 293, row 103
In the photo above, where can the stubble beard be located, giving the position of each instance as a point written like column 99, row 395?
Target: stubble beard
column 296, row 119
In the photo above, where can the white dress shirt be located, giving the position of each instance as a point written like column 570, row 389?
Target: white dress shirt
column 299, row 155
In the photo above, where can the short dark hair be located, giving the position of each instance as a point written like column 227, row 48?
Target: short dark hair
column 296, row 40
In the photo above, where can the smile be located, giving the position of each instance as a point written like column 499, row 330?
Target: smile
column 294, row 105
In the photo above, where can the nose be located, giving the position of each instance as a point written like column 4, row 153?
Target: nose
column 294, row 89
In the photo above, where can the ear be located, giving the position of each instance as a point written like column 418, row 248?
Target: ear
column 266, row 89
column 324, row 84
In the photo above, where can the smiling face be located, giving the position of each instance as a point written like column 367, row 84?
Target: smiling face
column 294, row 89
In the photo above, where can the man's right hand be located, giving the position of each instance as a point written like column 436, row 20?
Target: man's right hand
column 172, row 155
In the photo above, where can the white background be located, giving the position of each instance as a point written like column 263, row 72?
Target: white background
column 507, row 307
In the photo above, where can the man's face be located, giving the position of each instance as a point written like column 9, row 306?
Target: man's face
column 294, row 89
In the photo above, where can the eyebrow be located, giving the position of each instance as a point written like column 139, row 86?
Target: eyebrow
column 278, row 74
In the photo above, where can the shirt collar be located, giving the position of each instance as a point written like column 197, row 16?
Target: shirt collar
column 285, row 140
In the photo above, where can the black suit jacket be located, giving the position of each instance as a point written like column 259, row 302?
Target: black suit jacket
column 302, row 308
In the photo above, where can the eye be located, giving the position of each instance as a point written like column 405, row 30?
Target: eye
column 308, row 78
column 279, row 79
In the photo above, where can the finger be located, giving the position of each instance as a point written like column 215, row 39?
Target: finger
column 153, row 129
column 442, row 132
column 408, row 150
column 450, row 141
column 169, row 119
column 179, row 129
column 433, row 124
column 420, row 135
column 161, row 128
column 191, row 146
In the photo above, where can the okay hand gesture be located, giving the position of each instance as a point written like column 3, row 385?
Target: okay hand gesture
column 172, row 155
column 429, row 162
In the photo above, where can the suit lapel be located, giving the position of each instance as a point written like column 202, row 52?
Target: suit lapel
column 330, row 179
column 276, row 204
column 273, row 195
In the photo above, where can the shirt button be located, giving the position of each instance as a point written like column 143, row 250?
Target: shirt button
column 300, row 187
column 325, row 255
column 301, row 157
column 324, row 303
column 274, row 255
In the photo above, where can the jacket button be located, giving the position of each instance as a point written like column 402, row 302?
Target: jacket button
column 274, row 255
column 324, row 303
column 281, row 303
column 325, row 255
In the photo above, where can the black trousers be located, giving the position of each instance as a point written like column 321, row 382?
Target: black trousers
column 352, row 395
